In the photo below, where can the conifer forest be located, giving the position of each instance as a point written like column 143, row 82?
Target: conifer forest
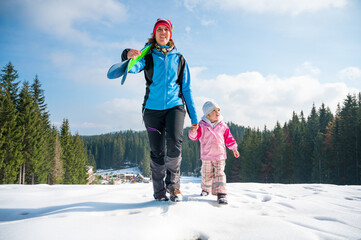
column 319, row 147
column 31, row 150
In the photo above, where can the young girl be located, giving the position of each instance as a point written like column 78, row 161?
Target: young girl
column 213, row 135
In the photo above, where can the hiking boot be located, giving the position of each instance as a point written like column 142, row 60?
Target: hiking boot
column 204, row 193
column 222, row 198
column 175, row 195
column 162, row 198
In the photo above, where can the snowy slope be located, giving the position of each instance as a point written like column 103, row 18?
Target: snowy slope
column 255, row 211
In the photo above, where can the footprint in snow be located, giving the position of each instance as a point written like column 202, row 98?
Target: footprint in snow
column 266, row 198
column 251, row 195
column 353, row 198
column 321, row 218
column 286, row 205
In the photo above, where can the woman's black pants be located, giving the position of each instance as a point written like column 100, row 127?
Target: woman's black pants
column 165, row 133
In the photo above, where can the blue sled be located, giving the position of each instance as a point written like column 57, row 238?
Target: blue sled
column 118, row 70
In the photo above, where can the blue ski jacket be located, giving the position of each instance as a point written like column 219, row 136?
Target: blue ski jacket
column 163, row 92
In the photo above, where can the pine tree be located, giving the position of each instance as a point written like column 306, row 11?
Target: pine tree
column 28, row 120
column 117, row 152
column 282, row 172
column 312, row 159
column 349, row 139
column 267, row 164
column 296, row 146
column 81, row 161
column 56, row 163
column 325, row 116
column 233, row 168
column 39, row 98
column 91, row 159
column 43, row 128
column 145, row 164
column 320, row 170
column 68, row 156
column 251, row 156
column 332, row 148
column 187, row 153
column 10, row 147
column 2, row 133
column 358, row 140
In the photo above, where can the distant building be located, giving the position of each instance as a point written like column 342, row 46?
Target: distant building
column 91, row 177
column 130, row 175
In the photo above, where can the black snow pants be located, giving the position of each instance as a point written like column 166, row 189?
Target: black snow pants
column 165, row 133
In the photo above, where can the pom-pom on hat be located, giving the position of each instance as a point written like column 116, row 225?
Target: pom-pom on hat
column 208, row 107
column 165, row 22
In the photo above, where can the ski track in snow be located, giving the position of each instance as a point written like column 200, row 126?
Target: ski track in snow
column 128, row 211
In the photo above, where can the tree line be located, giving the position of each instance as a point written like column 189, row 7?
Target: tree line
column 120, row 150
column 33, row 151
column 320, row 148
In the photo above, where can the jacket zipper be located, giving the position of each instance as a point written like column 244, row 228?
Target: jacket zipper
column 165, row 81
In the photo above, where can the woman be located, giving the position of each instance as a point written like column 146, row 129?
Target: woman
column 163, row 107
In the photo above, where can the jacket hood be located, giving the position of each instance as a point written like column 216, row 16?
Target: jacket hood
column 204, row 118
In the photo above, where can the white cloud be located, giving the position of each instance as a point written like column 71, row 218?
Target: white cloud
column 352, row 74
column 251, row 99
column 91, row 125
column 89, row 68
column 207, row 22
column 197, row 71
column 62, row 58
column 293, row 7
column 68, row 19
column 192, row 4
column 307, row 68
column 122, row 113
column 248, row 99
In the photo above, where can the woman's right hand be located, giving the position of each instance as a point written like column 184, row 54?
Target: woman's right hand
column 133, row 53
column 236, row 153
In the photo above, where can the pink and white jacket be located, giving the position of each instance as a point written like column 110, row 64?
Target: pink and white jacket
column 213, row 139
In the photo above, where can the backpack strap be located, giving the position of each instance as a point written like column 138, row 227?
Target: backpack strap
column 181, row 67
column 148, row 74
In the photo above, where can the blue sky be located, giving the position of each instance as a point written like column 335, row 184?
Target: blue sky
column 259, row 60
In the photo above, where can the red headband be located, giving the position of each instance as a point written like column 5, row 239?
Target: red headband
column 164, row 22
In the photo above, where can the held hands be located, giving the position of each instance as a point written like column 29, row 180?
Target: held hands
column 133, row 53
column 236, row 153
column 195, row 127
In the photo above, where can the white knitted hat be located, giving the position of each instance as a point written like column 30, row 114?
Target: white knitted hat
column 208, row 107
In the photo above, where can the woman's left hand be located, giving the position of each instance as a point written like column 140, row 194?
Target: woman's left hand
column 195, row 127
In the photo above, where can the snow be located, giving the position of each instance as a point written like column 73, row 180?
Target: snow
column 128, row 211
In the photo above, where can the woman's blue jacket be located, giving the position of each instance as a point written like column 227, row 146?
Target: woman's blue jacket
column 163, row 91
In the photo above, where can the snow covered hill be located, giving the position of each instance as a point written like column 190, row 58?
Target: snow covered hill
column 127, row 211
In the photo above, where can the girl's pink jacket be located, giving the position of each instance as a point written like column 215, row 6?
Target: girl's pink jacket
column 213, row 140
